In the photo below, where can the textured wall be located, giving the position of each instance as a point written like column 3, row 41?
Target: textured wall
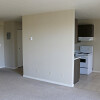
column 2, row 62
column 50, row 55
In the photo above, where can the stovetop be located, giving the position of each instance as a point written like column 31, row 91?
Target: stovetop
column 82, row 54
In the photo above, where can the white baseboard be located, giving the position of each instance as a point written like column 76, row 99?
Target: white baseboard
column 19, row 66
column 96, row 71
column 2, row 66
column 58, row 83
column 11, row 67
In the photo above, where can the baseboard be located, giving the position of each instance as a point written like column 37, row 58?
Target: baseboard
column 19, row 66
column 11, row 67
column 96, row 71
column 57, row 83
column 2, row 66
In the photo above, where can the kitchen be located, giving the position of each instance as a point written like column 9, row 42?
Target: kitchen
column 84, row 36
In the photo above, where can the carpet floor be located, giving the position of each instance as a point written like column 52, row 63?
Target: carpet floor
column 14, row 87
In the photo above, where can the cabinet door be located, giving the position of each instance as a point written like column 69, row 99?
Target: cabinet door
column 76, row 70
column 76, row 30
column 86, row 30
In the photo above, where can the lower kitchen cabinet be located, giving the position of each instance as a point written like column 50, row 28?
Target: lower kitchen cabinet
column 76, row 70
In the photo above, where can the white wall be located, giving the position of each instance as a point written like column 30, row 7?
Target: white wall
column 2, row 64
column 50, row 55
column 8, row 48
column 95, row 43
column 10, row 45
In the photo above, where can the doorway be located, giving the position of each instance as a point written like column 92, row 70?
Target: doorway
column 19, row 53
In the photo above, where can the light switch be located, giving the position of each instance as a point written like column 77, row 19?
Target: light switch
column 31, row 38
column 0, row 45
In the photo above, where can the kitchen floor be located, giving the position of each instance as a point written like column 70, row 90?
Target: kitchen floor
column 89, row 82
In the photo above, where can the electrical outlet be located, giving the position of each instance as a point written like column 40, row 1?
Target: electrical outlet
column 49, row 73
column 31, row 38
column 37, row 70
column 62, row 75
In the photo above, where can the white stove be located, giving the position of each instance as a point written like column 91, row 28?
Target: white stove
column 86, row 59
column 83, row 54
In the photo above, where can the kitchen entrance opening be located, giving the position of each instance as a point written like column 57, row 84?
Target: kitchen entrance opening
column 19, row 68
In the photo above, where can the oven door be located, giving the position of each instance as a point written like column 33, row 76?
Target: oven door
column 84, row 62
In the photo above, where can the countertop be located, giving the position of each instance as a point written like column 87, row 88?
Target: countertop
column 75, row 58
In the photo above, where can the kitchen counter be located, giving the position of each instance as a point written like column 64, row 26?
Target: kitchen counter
column 75, row 58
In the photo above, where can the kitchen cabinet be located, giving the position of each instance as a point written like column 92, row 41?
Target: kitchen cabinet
column 86, row 30
column 76, row 30
column 76, row 70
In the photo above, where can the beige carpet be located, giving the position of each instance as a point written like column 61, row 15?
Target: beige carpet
column 14, row 87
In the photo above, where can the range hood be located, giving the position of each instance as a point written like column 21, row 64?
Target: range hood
column 85, row 38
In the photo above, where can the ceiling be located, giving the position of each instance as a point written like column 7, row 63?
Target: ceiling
column 14, row 9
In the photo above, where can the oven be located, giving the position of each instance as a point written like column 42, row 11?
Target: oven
column 84, row 62
column 86, row 59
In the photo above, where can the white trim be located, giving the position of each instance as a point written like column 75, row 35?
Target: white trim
column 2, row 66
column 96, row 71
column 19, row 66
column 58, row 83
column 11, row 67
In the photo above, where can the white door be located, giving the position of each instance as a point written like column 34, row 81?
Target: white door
column 19, row 48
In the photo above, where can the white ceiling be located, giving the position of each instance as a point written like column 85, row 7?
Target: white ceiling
column 13, row 9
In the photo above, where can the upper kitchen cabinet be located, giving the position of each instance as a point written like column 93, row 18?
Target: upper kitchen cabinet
column 76, row 30
column 85, row 32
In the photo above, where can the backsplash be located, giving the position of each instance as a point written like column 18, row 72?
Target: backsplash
column 77, row 45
